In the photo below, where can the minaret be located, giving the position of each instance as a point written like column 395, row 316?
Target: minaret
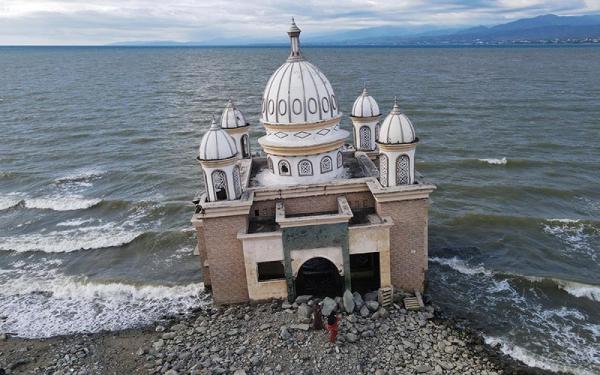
column 365, row 117
column 218, row 158
column 397, row 143
column 234, row 123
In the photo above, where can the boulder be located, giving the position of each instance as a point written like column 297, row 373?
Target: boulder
column 329, row 305
column 371, row 296
column 372, row 305
column 364, row 311
column 351, row 337
column 348, row 302
column 423, row 369
column 304, row 312
column 284, row 334
column 358, row 300
column 286, row 305
column 303, row 299
column 302, row 327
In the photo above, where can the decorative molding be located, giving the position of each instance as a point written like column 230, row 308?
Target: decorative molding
column 218, row 163
column 303, row 150
column 397, row 147
column 270, row 126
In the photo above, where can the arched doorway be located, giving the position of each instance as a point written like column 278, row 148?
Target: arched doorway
column 319, row 277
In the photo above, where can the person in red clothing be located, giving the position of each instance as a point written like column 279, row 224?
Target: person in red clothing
column 332, row 326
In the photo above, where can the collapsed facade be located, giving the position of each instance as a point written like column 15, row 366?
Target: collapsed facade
column 315, row 215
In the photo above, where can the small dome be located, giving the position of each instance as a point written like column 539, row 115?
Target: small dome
column 365, row 106
column 232, row 117
column 397, row 128
column 216, row 144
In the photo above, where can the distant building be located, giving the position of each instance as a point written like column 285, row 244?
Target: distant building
column 316, row 215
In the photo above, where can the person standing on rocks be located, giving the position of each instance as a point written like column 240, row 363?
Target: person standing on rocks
column 317, row 323
column 332, row 326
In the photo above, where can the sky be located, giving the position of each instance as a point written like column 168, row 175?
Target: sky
column 92, row 22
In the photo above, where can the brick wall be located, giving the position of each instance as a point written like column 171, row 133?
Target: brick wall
column 203, row 256
column 408, row 242
column 226, row 258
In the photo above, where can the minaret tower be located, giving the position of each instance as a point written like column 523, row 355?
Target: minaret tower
column 218, row 158
column 397, row 143
column 365, row 117
column 234, row 123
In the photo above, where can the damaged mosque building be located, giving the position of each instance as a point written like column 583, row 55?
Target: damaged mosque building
column 314, row 215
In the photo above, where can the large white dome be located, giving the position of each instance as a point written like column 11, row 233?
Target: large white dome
column 365, row 106
column 397, row 128
column 298, row 92
column 216, row 144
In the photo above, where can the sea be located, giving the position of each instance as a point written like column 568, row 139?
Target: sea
column 98, row 171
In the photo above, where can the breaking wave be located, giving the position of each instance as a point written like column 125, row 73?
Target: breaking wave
column 92, row 237
column 53, row 305
column 531, row 359
column 574, row 288
column 55, row 203
column 502, row 161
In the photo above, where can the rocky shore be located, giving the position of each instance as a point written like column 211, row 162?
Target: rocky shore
column 270, row 338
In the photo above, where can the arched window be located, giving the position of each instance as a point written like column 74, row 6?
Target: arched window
column 365, row 137
column 326, row 164
column 284, row 168
column 245, row 146
column 340, row 160
column 305, row 168
column 237, row 183
column 377, row 128
column 383, row 170
column 270, row 164
column 403, row 170
column 219, row 180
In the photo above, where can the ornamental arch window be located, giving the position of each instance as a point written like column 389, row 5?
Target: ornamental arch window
column 403, row 170
column 383, row 169
column 365, row 137
column 270, row 164
column 305, row 168
column 340, row 160
column 284, row 168
column 326, row 164
column 377, row 128
column 219, row 181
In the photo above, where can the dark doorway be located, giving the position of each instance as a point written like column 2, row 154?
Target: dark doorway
column 364, row 272
column 319, row 277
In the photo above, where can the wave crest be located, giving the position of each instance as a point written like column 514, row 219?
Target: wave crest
column 501, row 161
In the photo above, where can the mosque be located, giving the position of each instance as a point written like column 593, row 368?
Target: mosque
column 314, row 215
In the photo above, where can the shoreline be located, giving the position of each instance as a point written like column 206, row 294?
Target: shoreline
column 250, row 338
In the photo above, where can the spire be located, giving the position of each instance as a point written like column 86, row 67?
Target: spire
column 214, row 125
column 396, row 108
column 365, row 91
column 230, row 103
column 294, row 33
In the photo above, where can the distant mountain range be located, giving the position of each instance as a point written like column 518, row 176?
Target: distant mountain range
column 544, row 29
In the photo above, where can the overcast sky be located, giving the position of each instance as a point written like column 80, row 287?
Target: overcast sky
column 107, row 21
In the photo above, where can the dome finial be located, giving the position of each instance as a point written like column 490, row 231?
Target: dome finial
column 365, row 91
column 294, row 33
column 214, row 125
column 396, row 108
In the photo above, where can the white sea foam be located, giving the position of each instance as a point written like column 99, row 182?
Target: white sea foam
column 576, row 235
column 68, row 203
column 580, row 290
column 9, row 201
column 502, row 161
column 74, row 222
column 532, row 359
column 80, row 176
column 55, row 305
column 461, row 266
column 93, row 237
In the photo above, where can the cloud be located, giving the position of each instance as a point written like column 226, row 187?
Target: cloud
column 106, row 21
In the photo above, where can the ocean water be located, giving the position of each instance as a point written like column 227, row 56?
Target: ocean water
column 97, row 172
